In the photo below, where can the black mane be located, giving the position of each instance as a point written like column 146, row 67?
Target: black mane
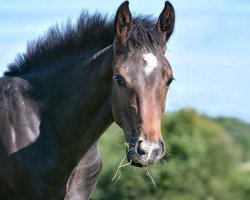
column 90, row 33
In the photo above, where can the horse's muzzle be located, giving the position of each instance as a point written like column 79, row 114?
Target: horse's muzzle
column 145, row 153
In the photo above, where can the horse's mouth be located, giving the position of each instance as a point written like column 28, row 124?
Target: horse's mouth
column 133, row 162
column 137, row 164
column 137, row 160
column 131, row 155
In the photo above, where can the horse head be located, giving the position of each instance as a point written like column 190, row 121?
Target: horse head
column 141, row 78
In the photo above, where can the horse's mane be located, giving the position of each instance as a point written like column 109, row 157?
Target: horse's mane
column 91, row 31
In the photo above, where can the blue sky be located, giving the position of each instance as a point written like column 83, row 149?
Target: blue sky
column 209, row 50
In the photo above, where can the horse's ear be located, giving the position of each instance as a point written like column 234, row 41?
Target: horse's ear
column 165, row 23
column 123, row 22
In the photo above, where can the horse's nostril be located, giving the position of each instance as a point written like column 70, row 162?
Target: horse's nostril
column 162, row 146
column 140, row 149
column 156, row 152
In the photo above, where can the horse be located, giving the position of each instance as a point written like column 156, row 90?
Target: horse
column 58, row 98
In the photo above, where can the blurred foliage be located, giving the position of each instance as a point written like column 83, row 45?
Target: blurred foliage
column 204, row 161
column 239, row 130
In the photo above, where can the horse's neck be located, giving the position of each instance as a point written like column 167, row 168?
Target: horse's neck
column 82, row 116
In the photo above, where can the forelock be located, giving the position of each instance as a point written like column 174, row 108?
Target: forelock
column 143, row 36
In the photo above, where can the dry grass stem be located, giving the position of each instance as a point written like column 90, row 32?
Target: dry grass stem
column 149, row 175
column 118, row 173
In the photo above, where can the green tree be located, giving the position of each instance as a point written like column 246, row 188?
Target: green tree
column 202, row 162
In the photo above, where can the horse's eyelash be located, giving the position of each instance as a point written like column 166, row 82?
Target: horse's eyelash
column 170, row 81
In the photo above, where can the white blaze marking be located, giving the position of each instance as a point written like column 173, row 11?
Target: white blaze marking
column 151, row 62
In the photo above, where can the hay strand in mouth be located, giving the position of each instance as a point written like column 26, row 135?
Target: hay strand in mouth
column 148, row 174
column 126, row 145
column 118, row 173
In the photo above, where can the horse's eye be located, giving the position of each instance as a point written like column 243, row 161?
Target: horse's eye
column 120, row 80
column 170, row 80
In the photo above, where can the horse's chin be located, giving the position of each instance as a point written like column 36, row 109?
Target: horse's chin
column 136, row 164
